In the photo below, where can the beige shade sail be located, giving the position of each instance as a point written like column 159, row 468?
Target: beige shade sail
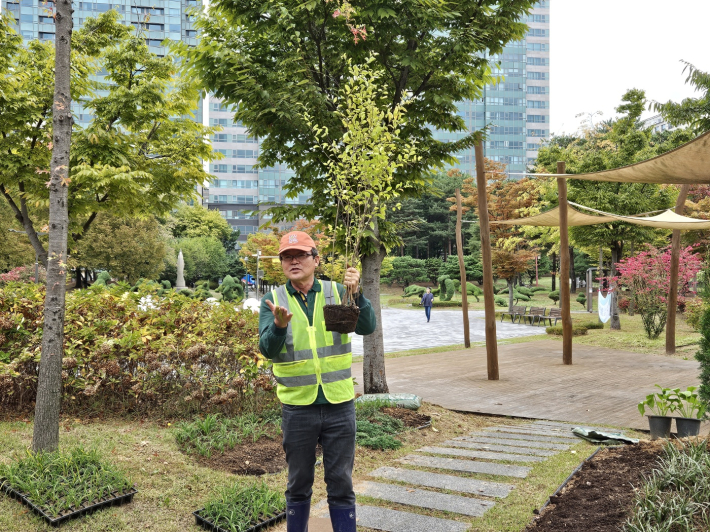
column 666, row 220
column 688, row 164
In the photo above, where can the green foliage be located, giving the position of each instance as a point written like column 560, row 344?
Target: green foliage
column 525, row 291
column 191, row 221
column 703, row 354
column 103, row 278
column 406, row 270
column 432, row 267
column 449, row 287
column 519, row 296
column 581, row 299
column 142, row 152
column 128, row 248
column 231, row 290
column 473, row 290
column 205, row 258
column 15, row 248
column 133, row 351
column 472, row 263
column 691, row 111
column 217, row 433
column 674, row 495
column 688, row 404
column 501, row 301
column 242, row 505
column 375, row 429
column 414, row 290
column 247, row 50
column 555, row 296
column 446, row 304
column 659, row 403
column 59, row 482
column 694, row 309
column 202, row 291
column 556, row 330
column 536, row 289
column 592, row 325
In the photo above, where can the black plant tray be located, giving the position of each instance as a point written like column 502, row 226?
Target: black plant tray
column 208, row 525
column 115, row 499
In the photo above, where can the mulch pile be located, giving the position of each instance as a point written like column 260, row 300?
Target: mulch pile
column 409, row 417
column 250, row 458
column 599, row 498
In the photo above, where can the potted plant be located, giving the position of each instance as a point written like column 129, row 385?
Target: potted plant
column 661, row 404
column 691, row 409
column 361, row 164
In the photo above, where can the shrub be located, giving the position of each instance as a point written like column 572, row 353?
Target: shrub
column 126, row 351
column 555, row 296
column 592, row 325
column 445, row 304
column 556, row 330
column 473, row 290
column 23, row 274
column 501, row 301
column 694, row 309
column 103, row 278
column 230, row 289
column 414, row 290
column 538, row 289
column 581, row 299
column 703, row 354
column 526, row 291
column 623, row 303
column 518, row 296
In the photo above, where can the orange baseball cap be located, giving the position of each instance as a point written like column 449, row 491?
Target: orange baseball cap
column 296, row 240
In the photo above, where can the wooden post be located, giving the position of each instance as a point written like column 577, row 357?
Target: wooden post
column 488, row 296
column 564, row 267
column 675, row 259
column 462, row 269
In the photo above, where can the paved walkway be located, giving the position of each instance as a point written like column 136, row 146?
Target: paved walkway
column 603, row 386
column 408, row 329
column 453, row 468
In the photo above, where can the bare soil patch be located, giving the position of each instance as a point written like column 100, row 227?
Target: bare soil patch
column 599, row 498
column 410, row 418
column 266, row 455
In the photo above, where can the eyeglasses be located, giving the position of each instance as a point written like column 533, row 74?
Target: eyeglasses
column 290, row 258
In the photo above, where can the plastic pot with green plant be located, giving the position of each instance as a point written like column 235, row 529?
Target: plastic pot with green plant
column 691, row 409
column 660, row 404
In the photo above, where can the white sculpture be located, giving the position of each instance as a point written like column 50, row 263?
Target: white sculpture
column 180, row 284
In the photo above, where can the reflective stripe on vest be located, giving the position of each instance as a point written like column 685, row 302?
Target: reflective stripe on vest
column 312, row 355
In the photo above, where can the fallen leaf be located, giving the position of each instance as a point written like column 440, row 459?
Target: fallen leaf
column 435, row 429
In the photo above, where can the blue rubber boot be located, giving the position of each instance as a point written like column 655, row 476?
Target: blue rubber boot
column 343, row 519
column 297, row 514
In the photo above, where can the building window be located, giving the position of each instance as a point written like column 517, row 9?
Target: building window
column 539, row 61
column 137, row 10
column 538, row 90
column 539, row 75
column 537, row 32
column 538, row 132
column 539, row 119
column 538, row 104
column 538, row 47
column 543, row 19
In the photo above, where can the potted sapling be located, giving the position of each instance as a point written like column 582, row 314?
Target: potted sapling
column 361, row 157
column 691, row 410
column 660, row 404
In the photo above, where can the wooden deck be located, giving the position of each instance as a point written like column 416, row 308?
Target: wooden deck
column 603, row 386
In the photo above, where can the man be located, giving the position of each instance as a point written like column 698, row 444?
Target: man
column 315, row 387
column 427, row 301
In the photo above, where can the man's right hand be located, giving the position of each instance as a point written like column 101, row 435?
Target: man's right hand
column 281, row 315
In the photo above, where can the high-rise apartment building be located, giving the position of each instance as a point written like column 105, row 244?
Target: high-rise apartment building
column 517, row 110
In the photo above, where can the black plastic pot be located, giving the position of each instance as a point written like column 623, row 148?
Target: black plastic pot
column 687, row 426
column 660, row 426
column 115, row 499
column 208, row 525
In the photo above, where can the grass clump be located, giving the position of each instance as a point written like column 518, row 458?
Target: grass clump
column 241, row 506
column 556, row 330
column 60, row 482
column 376, row 430
column 676, row 496
column 215, row 432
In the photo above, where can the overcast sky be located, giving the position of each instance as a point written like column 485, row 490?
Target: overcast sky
column 601, row 49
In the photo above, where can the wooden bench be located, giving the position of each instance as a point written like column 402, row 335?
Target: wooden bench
column 555, row 314
column 514, row 312
column 535, row 314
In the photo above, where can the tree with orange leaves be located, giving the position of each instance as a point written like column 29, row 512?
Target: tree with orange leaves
column 507, row 199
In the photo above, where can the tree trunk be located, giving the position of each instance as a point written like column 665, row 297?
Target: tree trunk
column 373, row 360
column 510, row 282
column 631, row 296
column 49, row 384
column 616, row 251
column 552, row 272
column 572, row 274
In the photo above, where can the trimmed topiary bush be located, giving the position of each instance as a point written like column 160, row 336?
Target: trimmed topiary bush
column 501, row 301
column 555, row 296
column 518, row 296
column 525, row 290
column 581, row 299
column 538, row 289
column 414, row 290
column 230, row 289
column 103, row 279
column 592, row 325
column 473, row 290
column 556, row 330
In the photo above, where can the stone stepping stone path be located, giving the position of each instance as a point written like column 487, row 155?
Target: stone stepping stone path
column 478, row 453
column 424, row 498
column 485, row 455
column 445, row 482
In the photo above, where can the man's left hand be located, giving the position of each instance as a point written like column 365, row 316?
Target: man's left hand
column 352, row 280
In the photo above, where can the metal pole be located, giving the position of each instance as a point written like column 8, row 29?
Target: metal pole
column 462, row 270
column 258, row 255
column 675, row 259
column 486, row 258
column 564, row 268
column 536, row 257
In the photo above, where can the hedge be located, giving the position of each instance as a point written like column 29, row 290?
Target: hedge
column 126, row 352
column 556, row 330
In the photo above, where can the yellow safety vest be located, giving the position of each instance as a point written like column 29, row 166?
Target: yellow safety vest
column 311, row 355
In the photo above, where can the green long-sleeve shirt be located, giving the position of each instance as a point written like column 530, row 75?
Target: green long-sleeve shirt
column 273, row 338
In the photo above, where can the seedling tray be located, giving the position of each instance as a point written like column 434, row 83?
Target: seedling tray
column 115, row 499
column 208, row 525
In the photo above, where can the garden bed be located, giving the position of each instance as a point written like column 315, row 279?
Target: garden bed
column 410, row 418
column 600, row 497
column 266, row 455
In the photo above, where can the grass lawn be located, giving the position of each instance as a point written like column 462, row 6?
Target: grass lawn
column 171, row 485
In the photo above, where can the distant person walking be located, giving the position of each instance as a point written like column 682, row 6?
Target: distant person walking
column 427, row 300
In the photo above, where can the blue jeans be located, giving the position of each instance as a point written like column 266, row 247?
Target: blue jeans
column 427, row 310
column 333, row 426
